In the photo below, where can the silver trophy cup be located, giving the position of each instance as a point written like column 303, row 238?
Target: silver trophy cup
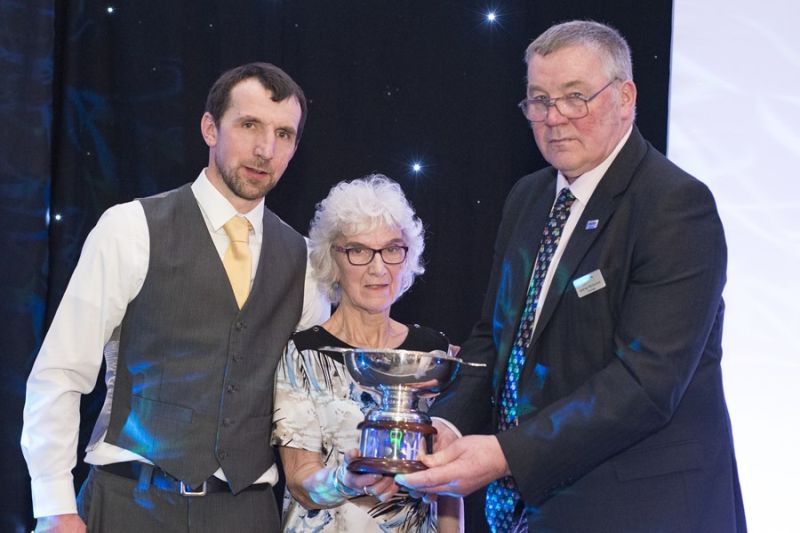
column 395, row 435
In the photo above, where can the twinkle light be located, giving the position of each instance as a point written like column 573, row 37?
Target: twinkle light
column 416, row 167
column 491, row 16
column 110, row 9
column 54, row 218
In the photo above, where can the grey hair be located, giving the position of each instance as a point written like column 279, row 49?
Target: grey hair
column 603, row 38
column 360, row 206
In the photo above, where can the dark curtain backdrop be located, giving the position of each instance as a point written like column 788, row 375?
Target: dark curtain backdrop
column 101, row 103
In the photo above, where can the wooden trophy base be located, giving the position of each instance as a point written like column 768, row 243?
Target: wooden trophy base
column 376, row 465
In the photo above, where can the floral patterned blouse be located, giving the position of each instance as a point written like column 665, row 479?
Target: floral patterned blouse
column 318, row 407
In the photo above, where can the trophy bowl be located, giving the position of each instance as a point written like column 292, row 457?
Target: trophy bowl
column 395, row 435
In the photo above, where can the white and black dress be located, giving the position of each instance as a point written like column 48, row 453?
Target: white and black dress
column 318, row 407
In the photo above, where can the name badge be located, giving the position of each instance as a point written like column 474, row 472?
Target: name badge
column 591, row 282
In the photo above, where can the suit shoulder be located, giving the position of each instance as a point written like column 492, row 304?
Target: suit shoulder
column 539, row 179
column 530, row 186
column 663, row 176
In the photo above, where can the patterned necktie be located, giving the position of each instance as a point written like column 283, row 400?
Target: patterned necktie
column 502, row 495
column 237, row 260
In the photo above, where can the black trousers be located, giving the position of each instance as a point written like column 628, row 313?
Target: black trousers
column 114, row 504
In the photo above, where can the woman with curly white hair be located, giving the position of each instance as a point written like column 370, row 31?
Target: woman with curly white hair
column 366, row 247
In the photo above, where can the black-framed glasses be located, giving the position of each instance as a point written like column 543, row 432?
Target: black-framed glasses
column 570, row 106
column 394, row 254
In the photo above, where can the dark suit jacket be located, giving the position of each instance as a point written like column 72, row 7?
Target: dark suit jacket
column 623, row 423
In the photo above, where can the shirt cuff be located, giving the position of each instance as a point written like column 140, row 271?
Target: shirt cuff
column 449, row 424
column 53, row 497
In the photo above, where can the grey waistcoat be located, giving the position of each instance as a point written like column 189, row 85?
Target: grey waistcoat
column 194, row 381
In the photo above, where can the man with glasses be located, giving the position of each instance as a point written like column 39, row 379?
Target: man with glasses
column 602, row 322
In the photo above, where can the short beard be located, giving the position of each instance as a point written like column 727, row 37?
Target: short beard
column 243, row 188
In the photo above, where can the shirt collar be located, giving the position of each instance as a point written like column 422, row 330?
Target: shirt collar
column 586, row 183
column 218, row 209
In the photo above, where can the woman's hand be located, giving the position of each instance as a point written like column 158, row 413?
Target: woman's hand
column 376, row 485
column 316, row 487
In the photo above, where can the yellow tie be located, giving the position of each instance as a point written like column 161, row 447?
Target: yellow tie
column 237, row 259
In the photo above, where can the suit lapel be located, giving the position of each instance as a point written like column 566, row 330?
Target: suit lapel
column 601, row 207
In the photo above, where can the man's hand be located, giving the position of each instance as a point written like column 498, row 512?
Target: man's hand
column 443, row 438
column 62, row 523
column 466, row 465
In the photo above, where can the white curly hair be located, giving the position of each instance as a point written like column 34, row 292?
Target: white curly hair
column 360, row 206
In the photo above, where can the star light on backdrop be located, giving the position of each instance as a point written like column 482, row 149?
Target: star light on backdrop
column 47, row 218
column 492, row 19
column 110, row 10
column 416, row 167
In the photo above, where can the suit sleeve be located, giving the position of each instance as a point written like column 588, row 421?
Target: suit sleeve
column 670, row 302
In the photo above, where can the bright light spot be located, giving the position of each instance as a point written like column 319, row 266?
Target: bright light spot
column 491, row 16
column 110, row 9
column 416, row 167
column 57, row 217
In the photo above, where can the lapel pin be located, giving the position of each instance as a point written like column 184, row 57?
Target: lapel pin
column 592, row 224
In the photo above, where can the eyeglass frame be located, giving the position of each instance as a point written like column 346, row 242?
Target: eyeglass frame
column 553, row 102
column 346, row 251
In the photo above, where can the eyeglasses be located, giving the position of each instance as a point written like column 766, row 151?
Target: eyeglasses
column 361, row 255
column 572, row 106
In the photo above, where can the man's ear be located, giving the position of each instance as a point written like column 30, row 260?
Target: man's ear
column 208, row 128
column 628, row 95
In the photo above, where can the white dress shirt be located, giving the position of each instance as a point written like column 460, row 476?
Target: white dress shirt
column 109, row 274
